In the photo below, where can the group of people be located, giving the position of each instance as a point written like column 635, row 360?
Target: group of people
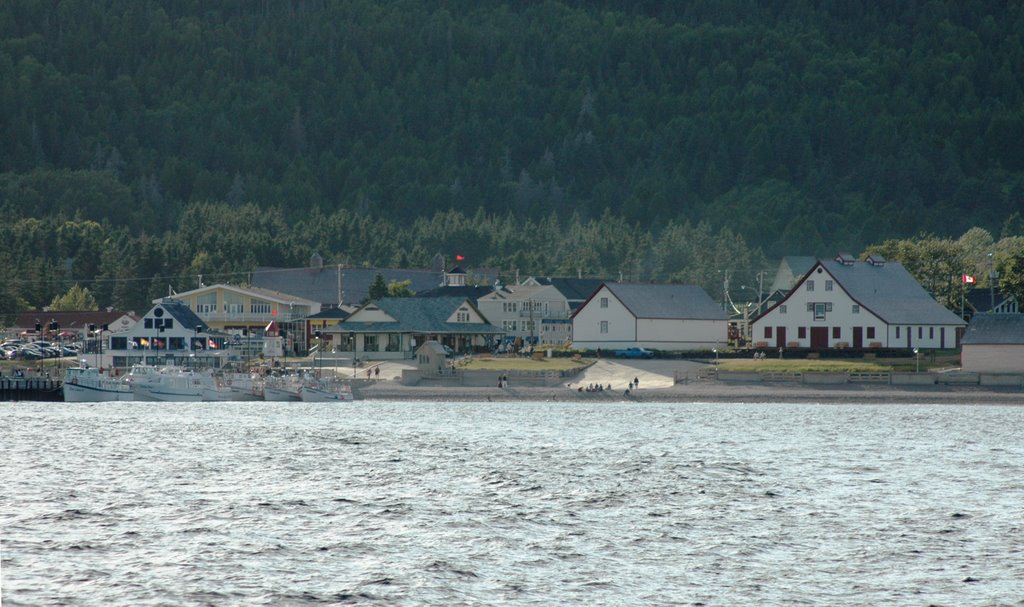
column 633, row 385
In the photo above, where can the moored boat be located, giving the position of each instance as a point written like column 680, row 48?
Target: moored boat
column 169, row 384
column 320, row 391
column 282, row 389
column 89, row 384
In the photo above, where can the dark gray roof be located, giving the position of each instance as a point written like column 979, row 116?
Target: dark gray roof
column 181, row 313
column 321, row 284
column 995, row 329
column 470, row 292
column 890, row 292
column 791, row 269
column 419, row 315
column 980, row 299
column 688, row 302
column 576, row 290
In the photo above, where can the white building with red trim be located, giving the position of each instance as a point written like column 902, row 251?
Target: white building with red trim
column 845, row 303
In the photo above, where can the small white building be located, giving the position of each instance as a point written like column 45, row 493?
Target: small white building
column 845, row 303
column 994, row 343
column 658, row 317
column 537, row 314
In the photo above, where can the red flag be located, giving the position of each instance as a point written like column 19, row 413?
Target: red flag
column 459, row 258
column 969, row 279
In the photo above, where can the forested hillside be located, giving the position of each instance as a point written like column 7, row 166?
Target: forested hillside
column 181, row 135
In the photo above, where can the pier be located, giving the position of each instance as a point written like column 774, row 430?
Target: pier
column 31, row 388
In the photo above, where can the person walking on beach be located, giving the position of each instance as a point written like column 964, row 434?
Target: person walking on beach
column 636, row 383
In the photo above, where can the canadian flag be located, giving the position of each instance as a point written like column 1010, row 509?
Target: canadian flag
column 459, row 258
column 969, row 279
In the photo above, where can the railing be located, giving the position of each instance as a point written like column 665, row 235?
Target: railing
column 250, row 316
column 540, row 315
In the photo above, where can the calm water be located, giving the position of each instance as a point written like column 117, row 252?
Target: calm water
column 519, row 504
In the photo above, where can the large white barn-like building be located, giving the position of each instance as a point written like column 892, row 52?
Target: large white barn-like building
column 659, row 317
column 845, row 303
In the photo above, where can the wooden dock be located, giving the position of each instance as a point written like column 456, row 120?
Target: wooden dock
column 31, row 388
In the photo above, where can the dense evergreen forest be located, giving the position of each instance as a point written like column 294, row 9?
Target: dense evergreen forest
column 144, row 142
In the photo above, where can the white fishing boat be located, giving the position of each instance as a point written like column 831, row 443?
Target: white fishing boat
column 244, row 386
column 322, row 391
column 282, row 388
column 89, row 384
column 169, row 384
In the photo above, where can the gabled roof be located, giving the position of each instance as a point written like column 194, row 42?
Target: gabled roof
column 684, row 302
column 418, row 315
column 1003, row 329
column 470, row 292
column 333, row 313
column 791, row 268
column 574, row 289
column 268, row 294
column 181, row 313
column 980, row 299
column 887, row 290
column 516, row 293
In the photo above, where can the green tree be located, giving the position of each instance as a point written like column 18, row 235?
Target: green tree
column 378, row 288
column 400, row 288
column 1011, row 275
column 76, row 299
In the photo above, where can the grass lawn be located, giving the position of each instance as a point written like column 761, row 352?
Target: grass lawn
column 884, row 365
column 769, row 365
column 523, row 364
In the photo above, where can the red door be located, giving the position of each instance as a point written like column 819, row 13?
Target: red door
column 858, row 337
column 780, row 337
column 819, row 338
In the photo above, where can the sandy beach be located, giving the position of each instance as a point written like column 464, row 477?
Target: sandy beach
column 657, row 384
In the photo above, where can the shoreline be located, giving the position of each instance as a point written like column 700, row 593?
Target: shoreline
column 705, row 392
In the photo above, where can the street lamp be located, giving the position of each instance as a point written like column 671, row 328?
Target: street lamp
column 319, row 353
column 355, row 361
column 198, row 329
column 715, row 350
column 917, row 361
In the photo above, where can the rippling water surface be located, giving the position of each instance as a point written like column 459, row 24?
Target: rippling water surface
column 521, row 504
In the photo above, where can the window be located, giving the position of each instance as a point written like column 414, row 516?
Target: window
column 118, row 343
column 931, row 332
column 234, row 303
column 836, row 333
column 394, row 342
column 604, row 302
column 371, row 343
column 257, row 306
column 871, row 332
column 819, row 311
column 176, row 343
column 462, row 316
column 782, row 309
column 828, row 285
column 897, row 332
column 604, row 326
column 147, row 323
column 920, row 332
column 801, row 332
column 856, row 308
column 810, row 285
column 508, row 325
column 768, row 332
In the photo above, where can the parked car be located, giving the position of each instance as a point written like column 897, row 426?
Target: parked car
column 634, row 353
